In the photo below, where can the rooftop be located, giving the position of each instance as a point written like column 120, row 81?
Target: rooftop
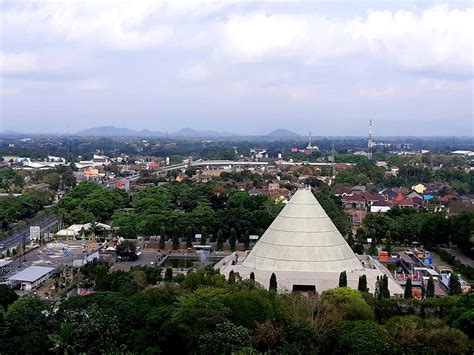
column 31, row 274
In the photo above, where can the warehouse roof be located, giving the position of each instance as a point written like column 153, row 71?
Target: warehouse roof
column 31, row 274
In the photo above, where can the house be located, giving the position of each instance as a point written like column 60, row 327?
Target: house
column 403, row 202
column 418, row 202
column 380, row 206
column 277, row 194
column 420, row 188
column 447, row 198
column 355, row 207
column 100, row 159
column 359, row 188
column 355, row 202
column 388, row 194
column 414, row 194
column 341, row 191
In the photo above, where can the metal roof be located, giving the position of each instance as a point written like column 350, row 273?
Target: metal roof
column 4, row 262
column 31, row 274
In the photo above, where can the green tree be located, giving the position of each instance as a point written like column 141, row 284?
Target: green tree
column 198, row 313
column 62, row 340
column 360, row 337
column 168, row 274
column 454, row 285
column 189, row 237
column 227, row 338
column 246, row 240
column 127, row 250
column 252, row 276
column 126, row 222
column 220, row 239
column 231, row 280
column 232, row 239
column 203, row 236
column 7, row 296
column 343, row 279
column 176, row 238
column 408, row 289
column 430, row 288
column 96, row 329
column 273, row 283
column 347, row 304
column 362, row 286
column 162, row 237
column 384, row 287
column 139, row 279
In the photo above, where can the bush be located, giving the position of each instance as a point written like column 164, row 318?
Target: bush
column 360, row 337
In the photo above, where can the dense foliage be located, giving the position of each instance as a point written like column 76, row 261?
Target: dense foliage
column 202, row 313
column 403, row 226
column 88, row 202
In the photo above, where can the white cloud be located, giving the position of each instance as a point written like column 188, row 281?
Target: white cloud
column 88, row 85
column 195, row 73
column 439, row 39
column 9, row 91
column 15, row 63
column 120, row 25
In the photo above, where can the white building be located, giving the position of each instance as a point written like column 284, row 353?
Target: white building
column 380, row 206
column 305, row 251
column 31, row 277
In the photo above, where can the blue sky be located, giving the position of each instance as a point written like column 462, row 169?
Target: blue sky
column 240, row 66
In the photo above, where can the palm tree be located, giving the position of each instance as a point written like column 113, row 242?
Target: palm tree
column 62, row 340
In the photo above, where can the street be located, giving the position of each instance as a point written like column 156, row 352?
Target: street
column 13, row 241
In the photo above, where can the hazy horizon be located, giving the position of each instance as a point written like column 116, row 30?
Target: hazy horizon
column 238, row 66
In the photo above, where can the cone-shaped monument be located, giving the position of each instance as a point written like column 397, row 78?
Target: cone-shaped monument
column 305, row 251
column 302, row 238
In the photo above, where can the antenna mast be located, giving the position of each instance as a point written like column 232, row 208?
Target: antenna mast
column 370, row 144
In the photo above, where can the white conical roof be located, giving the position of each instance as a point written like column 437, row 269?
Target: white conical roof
column 302, row 238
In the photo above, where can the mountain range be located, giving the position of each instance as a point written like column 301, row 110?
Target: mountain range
column 112, row 131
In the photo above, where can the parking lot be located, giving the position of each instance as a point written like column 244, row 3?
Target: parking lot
column 147, row 257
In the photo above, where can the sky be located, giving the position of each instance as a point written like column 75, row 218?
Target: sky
column 246, row 67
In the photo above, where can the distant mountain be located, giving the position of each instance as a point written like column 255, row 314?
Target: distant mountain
column 283, row 133
column 107, row 131
column 111, row 131
column 11, row 133
column 189, row 132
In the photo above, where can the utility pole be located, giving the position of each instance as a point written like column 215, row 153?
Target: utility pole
column 68, row 142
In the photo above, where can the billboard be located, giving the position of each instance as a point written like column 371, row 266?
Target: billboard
column 35, row 232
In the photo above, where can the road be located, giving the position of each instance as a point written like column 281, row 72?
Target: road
column 13, row 241
column 463, row 258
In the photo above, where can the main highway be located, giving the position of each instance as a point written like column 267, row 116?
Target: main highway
column 11, row 242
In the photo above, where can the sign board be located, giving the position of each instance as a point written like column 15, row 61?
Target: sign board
column 35, row 232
